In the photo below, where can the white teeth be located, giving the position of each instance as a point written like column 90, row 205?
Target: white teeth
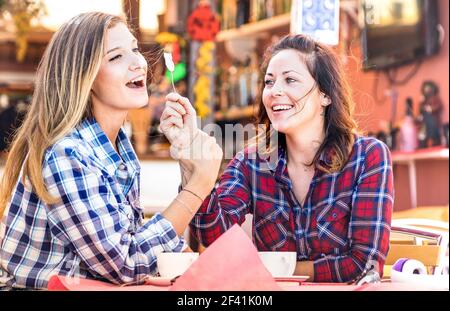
column 137, row 79
column 281, row 107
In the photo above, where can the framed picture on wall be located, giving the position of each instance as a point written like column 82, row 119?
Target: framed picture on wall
column 316, row 18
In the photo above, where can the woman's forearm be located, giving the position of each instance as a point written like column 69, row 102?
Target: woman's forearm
column 181, row 211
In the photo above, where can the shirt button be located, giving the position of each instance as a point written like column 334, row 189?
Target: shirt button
column 122, row 167
column 334, row 215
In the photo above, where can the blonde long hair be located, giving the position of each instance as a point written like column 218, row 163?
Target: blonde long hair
column 61, row 98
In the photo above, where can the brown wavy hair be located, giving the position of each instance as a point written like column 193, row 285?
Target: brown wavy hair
column 339, row 125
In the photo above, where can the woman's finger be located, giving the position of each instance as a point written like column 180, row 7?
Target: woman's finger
column 170, row 123
column 176, row 106
column 170, row 112
column 174, row 97
column 178, row 122
column 187, row 105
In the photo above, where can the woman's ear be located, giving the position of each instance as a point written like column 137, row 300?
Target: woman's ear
column 326, row 101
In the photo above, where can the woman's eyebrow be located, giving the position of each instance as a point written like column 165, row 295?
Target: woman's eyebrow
column 113, row 49
column 288, row 71
column 119, row 47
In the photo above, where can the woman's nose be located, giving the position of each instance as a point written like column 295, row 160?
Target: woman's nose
column 277, row 89
column 138, row 63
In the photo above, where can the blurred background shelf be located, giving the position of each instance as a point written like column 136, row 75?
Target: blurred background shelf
column 425, row 154
column 410, row 159
column 235, row 113
column 255, row 28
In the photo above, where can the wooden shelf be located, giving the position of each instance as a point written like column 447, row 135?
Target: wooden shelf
column 436, row 153
column 410, row 158
column 40, row 35
column 235, row 113
column 255, row 28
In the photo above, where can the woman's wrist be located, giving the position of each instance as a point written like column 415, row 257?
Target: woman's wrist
column 185, row 175
column 199, row 186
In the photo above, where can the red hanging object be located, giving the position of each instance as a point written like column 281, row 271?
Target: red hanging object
column 176, row 54
column 203, row 24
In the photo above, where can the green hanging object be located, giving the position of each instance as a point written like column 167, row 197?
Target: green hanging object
column 178, row 73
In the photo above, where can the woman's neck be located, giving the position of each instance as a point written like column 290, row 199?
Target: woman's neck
column 110, row 124
column 302, row 145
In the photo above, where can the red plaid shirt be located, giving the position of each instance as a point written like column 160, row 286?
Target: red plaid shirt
column 343, row 227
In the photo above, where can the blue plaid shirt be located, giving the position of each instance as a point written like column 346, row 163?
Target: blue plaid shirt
column 97, row 229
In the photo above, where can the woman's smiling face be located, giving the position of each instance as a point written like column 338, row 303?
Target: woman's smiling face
column 290, row 96
column 121, row 81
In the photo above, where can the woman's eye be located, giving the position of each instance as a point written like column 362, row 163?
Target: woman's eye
column 290, row 80
column 136, row 50
column 115, row 57
column 268, row 82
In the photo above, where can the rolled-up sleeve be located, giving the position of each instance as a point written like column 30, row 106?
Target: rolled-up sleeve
column 370, row 221
column 227, row 204
column 95, row 227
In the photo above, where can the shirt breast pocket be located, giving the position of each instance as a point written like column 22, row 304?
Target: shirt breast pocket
column 332, row 225
column 272, row 227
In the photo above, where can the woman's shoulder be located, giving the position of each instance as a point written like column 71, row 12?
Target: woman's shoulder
column 370, row 142
column 372, row 148
column 71, row 145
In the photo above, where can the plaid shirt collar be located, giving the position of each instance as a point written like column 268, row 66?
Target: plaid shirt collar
column 92, row 133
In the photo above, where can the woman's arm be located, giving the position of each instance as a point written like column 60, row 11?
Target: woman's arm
column 202, row 157
column 227, row 204
column 370, row 220
column 205, row 168
column 96, row 227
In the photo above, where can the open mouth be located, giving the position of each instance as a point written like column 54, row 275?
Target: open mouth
column 278, row 108
column 136, row 83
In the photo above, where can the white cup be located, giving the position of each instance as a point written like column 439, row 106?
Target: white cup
column 171, row 265
column 279, row 264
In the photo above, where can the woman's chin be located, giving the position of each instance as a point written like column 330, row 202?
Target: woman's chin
column 280, row 127
column 138, row 103
column 143, row 104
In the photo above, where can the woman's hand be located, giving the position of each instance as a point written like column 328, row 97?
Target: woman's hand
column 178, row 121
column 198, row 153
column 200, row 163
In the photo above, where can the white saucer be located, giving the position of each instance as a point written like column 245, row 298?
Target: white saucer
column 292, row 278
column 159, row 281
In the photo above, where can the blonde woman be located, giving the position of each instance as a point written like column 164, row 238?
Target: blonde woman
column 70, row 190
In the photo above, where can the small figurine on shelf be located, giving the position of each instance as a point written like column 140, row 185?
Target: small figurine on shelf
column 408, row 131
column 445, row 127
column 388, row 134
column 430, row 115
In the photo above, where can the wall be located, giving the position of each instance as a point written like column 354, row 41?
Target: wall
column 371, row 114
